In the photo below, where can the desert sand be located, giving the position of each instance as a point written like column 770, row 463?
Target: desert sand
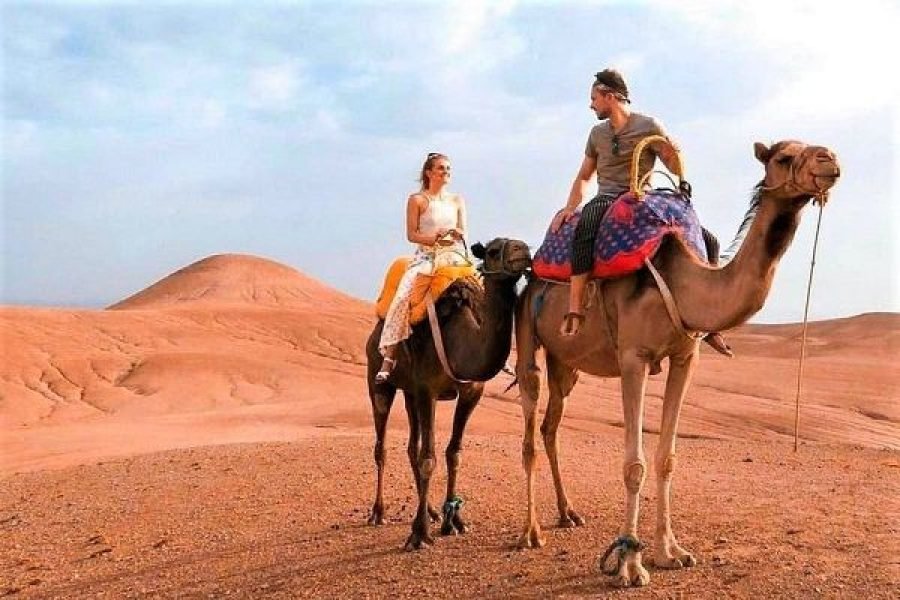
column 211, row 435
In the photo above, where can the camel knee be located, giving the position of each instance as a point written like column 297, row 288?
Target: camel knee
column 379, row 452
column 528, row 454
column 529, row 382
column 665, row 466
column 454, row 458
column 634, row 476
column 426, row 467
column 548, row 434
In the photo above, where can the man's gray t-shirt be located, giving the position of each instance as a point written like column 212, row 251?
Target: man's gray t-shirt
column 614, row 169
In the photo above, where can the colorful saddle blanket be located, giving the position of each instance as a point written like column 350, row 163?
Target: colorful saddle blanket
column 630, row 232
column 436, row 283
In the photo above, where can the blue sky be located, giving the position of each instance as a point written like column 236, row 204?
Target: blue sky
column 139, row 137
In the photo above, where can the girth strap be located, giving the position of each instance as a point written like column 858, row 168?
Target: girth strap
column 671, row 307
column 439, row 340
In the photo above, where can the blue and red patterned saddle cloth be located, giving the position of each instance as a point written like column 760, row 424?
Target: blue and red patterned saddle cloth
column 630, row 232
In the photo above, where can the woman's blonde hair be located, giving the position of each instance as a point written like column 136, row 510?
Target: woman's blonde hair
column 426, row 166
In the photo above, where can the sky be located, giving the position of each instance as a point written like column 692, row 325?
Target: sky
column 139, row 137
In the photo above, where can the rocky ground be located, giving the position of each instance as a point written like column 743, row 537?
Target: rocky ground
column 288, row 520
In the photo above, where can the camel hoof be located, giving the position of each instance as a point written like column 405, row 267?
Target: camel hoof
column 376, row 517
column 667, row 563
column 636, row 576
column 532, row 538
column 570, row 519
column 640, row 578
column 417, row 542
column 434, row 514
column 678, row 559
column 454, row 525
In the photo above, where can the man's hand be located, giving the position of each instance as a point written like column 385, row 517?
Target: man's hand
column 561, row 217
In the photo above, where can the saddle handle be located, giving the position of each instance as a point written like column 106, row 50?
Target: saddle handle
column 637, row 182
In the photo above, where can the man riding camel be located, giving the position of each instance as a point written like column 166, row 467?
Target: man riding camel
column 608, row 153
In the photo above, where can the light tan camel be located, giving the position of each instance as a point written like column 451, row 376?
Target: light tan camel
column 628, row 329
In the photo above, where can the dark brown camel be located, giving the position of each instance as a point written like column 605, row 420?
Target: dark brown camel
column 476, row 326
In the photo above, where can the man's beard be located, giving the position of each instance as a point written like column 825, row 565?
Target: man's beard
column 602, row 115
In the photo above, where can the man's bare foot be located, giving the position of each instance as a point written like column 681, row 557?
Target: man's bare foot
column 719, row 344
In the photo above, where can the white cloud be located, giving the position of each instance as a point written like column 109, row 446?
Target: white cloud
column 466, row 24
column 274, row 87
column 836, row 54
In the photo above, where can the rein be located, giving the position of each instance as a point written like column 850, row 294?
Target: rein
column 820, row 195
column 433, row 319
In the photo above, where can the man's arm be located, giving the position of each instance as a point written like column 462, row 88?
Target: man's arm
column 582, row 179
column 668, row 154
column 576, row 193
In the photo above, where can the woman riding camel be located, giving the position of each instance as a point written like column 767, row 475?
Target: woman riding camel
column 436, row 223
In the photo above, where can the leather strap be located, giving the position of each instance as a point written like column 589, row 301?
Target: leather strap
column 439, row 340
column 671, row 307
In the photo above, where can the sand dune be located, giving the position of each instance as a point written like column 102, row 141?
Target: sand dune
column 237, row 343
column 238, row 279
column 133, row 462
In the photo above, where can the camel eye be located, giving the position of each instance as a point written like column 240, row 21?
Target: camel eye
column 784, row 160
column 494, row 252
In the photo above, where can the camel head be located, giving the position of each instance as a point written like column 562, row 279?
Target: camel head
column 503, row 257
column 797, row 171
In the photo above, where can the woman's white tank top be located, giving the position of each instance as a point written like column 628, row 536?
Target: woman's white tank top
column 440, row 213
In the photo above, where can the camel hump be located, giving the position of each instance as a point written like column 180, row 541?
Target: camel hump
column 630, row 232
column 437, row 283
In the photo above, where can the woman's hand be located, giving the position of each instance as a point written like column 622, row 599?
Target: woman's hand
column 455, row 233
column 440, row 237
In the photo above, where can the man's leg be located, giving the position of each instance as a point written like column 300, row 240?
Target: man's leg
column 583, row 261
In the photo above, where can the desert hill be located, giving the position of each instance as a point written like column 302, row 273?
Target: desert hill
column 238, row 279
column 240, row 348
column 142, row 452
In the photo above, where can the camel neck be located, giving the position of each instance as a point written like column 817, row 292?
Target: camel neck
column 713, row 299
column 493, row 331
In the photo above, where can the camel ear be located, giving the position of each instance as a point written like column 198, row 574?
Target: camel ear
column 478, row 250
column 763, row 152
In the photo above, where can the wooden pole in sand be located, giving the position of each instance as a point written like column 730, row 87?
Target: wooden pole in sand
column 812, row 265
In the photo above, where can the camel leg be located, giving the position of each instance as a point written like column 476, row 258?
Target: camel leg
column 425, row 408
column 412, row 449
column 668, row 554
column 529, row 387
column 626, row 558
column 468, row 400
column 561, row 380
column 382, row 397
